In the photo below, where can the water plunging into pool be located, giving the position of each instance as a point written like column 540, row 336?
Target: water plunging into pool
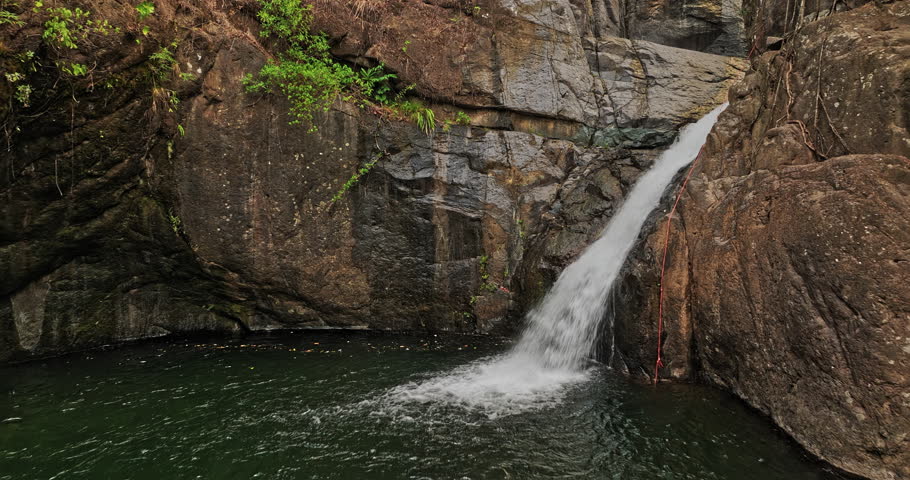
column 560, row 334
column 368, row 405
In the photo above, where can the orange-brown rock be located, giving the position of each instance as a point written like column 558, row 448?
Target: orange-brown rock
column 786, row 282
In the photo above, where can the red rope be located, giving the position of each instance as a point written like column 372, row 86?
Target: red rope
column 663, row 267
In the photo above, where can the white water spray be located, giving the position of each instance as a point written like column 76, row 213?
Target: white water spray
column 552, row 352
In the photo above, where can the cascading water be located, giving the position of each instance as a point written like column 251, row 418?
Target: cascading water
column 551, row 353
column 561, row 330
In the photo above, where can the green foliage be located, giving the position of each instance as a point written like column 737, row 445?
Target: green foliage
column 176, row 224
column 305, row 71
column 74, row 69
column 374, row 83
column 145, row 9
column 310, row 84
column 58, row 28
column 164, row 99
column 365, row 169
column 289, row 20
column 420, row 114
column 181, row 130
column 486, row 284
column 64, row 29
column 66, row 26
column 23, row 94
column 162, row 63
column 462, row 118
column 8, row 17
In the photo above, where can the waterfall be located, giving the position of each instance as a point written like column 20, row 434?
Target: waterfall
column 560, row 334
column 561, row 330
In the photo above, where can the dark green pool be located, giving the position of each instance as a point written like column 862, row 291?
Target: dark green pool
column 319, row 406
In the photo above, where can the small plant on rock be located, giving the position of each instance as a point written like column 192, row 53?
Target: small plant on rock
column 365, row 169
column 7, row 16
column 145, row 9
column 419, row 114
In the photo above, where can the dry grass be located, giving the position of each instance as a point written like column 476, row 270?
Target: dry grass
column 362, row 9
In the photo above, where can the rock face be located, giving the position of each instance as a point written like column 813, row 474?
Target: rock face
column 126, row 220
column 785, row 282
column 715, row 26
column 127, row 216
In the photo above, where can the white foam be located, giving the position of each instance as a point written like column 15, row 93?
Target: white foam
column 493, row 387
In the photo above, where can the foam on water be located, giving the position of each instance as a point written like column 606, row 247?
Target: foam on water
column 495, row 387
column 552, row 352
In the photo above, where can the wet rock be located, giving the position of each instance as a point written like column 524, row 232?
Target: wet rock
column 219, row 217
column 559, row 71
column 784, row 276
column 714, row 26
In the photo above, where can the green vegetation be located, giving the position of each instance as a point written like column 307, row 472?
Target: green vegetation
column 23, row 94
column 162, row 63
column 311, row 79
column 305, row 72
column 74, row 69
column 67, row 35
column 145, row 9
column 417, row 112
column 8, row 17
column 176, row 224
column 66, row 26
column 64, row 29
column 162, row 67
column 356, row 177
column 486, row 284
column 460, row 118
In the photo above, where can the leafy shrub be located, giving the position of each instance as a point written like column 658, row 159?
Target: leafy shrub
column 66, row 26
column 305, row 71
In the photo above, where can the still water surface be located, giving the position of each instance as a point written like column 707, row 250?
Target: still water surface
column 329, row 406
